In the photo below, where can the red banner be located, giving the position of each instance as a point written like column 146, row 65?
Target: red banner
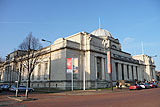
column 69, row 63
column 109, row 62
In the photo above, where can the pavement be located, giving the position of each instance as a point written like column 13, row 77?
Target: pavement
column 73, row 93
column 92, row 92
column 84, row 98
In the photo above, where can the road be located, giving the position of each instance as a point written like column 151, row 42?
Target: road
column 138, row 98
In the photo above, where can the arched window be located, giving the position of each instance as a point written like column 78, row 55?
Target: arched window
column 114, row 47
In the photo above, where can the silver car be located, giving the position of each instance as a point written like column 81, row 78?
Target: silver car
column 20, row 88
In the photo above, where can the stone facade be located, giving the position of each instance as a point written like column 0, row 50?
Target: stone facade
column 91, row 51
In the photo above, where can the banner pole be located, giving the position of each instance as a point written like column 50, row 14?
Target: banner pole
column 72, row 74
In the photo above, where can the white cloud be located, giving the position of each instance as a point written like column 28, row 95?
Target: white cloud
column 128, row 40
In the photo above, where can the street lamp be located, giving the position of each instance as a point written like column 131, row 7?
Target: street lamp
column 16, row 88
column 49, row 61
column 154, row 56
column 152, row 66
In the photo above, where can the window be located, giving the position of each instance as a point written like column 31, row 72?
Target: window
column 23, row 74
column 122, row 72
column 132, row 73
column 114, row 47
column 45, row 71
column 39, row 72
column 33, row 76
column 116, row 71
column 128, row 71
column 136, row 73
column 75, row 76
column 152, row 73
column 99, row 70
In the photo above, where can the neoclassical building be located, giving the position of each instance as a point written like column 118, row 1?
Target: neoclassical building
column 91, row 51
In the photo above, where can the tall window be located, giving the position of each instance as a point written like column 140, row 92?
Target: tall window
column 7, row 73
column 39, row 72
column 152, row 73
column 122, row 72
column 132, row 73
column 142, row 74
column 32, row 75
column 45, row 71
column 23, row 74
column 99, row 70
column 136, row 73
column 128, row 71
column 116, row 71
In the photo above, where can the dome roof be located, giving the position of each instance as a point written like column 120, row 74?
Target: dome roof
column 101, row 32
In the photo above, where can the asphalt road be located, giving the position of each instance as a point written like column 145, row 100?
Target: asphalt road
column 138, row 98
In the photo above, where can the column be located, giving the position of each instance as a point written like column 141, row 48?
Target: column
column 95, row 67
column 102, row 62
column 130, row 72
column 116, row 70
column 119, row 71
column 134, row 72
column 139, row 73
column 113, row 70
column 125, row 72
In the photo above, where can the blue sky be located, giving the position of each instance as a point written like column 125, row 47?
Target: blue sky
column 131, row 21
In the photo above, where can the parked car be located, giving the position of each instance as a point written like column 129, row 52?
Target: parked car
column 153, row 85
column 145, row 85
column 5, row 87
column 135, row 87
column 20, row 88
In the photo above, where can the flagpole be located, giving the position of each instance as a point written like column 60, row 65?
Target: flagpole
column 72, row 74
column 84, row 80
column 99, row 23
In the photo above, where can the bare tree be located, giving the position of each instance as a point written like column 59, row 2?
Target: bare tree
column 32, row 46
column 1, row 59
column 21, row 54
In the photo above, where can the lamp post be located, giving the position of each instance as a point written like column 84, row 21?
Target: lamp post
column 152, row 67
column 16, row 88
column 154, row 56
column 49, row 61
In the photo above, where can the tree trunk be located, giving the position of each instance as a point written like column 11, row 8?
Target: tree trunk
column 19, row 81
column 29, row 80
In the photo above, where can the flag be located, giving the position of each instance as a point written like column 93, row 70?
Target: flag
column 109, row 62
column 69, row 63
column 75, row 65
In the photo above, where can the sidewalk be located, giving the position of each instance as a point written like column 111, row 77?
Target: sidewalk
column 91, row 92
column 72, row 93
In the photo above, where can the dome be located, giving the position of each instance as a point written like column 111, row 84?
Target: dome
column 101, row 32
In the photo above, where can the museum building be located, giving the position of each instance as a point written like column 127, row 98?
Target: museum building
column 92, row 72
